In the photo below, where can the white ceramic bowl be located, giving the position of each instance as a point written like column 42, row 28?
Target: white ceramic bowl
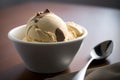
column 45, row 57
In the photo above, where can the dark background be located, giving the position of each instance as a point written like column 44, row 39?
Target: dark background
column 105, row 3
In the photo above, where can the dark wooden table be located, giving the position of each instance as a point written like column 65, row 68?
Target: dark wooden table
column 102, row 24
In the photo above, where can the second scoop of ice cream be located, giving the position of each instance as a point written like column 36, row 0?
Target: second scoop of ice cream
column 48, row 27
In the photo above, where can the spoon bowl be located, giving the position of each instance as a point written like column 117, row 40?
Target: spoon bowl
column 100, row 51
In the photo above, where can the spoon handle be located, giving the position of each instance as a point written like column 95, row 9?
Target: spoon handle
column 81, row 74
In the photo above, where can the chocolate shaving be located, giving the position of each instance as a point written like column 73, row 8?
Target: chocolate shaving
column 47, row 11
column 38, row 14
column 59, row 35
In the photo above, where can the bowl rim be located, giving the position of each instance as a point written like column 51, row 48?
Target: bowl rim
column 14, row 39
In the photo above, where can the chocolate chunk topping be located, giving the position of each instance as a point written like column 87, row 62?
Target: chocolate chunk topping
column 59, row 35
column 38, row 14
column 47, row 11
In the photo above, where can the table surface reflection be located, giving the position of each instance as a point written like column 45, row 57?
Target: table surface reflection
column 102, row 24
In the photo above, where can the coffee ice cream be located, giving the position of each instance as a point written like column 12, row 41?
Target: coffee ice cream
column 47, row 27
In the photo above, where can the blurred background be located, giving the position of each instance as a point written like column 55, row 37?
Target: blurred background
column 105, row 3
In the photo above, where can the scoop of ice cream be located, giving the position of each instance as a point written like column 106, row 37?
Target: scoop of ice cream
column 48, row 27
column 74, row 29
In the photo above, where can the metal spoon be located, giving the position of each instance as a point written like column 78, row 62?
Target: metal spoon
column 101, row 51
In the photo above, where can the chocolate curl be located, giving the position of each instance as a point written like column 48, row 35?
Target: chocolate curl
column 59, row 35
column 47, row 11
